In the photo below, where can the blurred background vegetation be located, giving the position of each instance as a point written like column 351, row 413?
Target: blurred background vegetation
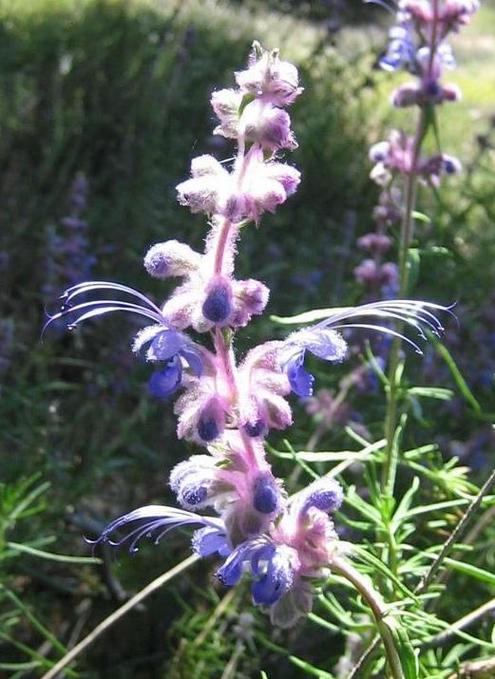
column 117, row 92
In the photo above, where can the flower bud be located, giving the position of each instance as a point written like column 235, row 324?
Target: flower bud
column 250, row 298
column 377, row 243
column 226, row 104
column 211, row 420
column 200, row 194
column 277, row 81
column 406, row 95
column 324, row 494
column 192, row 479
column 286, row 175
column 451, row 165
column 267, row 126
column 255, row 428
column 266, row 495
column 267, row 195
column 217, row 306
column 206, row 165
column 171, row 258
column 379, row 151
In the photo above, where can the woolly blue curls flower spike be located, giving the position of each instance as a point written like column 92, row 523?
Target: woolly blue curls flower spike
column 283, row 545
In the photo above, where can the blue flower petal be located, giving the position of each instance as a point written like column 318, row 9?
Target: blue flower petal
column 300, row 380
column 230, row 572
column 207, row 541
column 193, row 359
column 163, row 383
column 276, row 581
column 166, row 344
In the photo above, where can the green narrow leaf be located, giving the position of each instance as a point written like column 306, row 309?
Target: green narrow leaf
column 308, row 316
column 472, row 571
column 300, row 462
column 461, row 383
column 421, row 217
column 407, row 654
column 413, row 265
column 439, row 393
column 378, row 564
column 26, row 549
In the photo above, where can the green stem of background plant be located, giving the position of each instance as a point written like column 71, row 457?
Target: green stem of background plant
column 405, row 239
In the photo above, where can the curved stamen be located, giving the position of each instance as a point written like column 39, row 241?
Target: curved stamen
column 88, row 286
column 101, row 307
column 387, row 331
column 414, row 313
column 156, row 517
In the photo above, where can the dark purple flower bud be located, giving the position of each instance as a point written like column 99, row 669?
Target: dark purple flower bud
column 211, row 421
column 256, row 428
column 217, row 306
column 192, row 479
column 325, row 494
column 208, row 428
column 451, row 165
column 265, row 494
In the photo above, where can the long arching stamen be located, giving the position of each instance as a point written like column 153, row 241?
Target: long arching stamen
column 156, row 517
column 89, row 286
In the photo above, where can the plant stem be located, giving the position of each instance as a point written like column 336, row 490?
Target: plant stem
column 117, row 614
column 365, row 588
column 406, row 236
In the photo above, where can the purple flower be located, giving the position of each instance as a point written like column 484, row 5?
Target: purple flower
column 323, row 343
column 274, row 572
column 273, row 568
column 401, row 50
column 83, row 311
column 169, row 346
column 322, row 340
column 165, row 344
